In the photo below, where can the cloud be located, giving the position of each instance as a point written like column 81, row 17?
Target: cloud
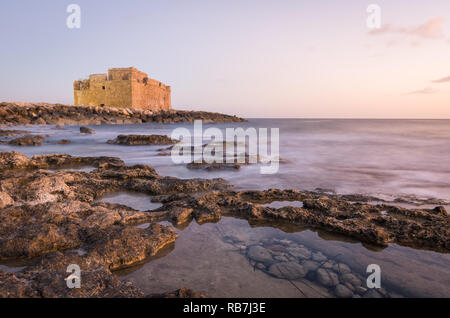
column 425, row 91
column 385, row 28
column 431, row 29
column 442, row 80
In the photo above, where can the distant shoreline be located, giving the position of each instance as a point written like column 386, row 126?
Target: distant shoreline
column 14, row 114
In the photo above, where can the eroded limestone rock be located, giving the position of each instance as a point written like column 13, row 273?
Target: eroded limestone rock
column 139, row 140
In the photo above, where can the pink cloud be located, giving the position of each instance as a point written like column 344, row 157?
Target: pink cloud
column 432, row 29
column 442, row 80
column 425, row 91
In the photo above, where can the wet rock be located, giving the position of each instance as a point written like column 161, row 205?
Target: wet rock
column 327, row 265
column 55, row 210
column 231, row 239
column 64, row 142
column 260, row 266
column 288, row 270
column 119, row 247
column 327, row 278
column 27, row 141
column 281, row 258
column 137, row 140
column 372, row 293
column 310, row 266
column 10, row 133
column 87, row 130
column 364, row 222
column 351, row 279
column 301, row 253
column 260, row 254
column 360, row 290
column 14, row 161
column 341, row 268
column 343, row 291
column 5, row 199
column 180, row 215
column 440, row 210
column 47, row 278
column 350, row 286
column 319, row 257
column 286, row 242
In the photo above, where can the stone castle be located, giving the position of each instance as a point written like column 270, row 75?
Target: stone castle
column 122, row 88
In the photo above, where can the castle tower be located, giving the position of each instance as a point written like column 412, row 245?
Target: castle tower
column 122, row 88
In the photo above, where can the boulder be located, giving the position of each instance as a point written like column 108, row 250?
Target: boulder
column 288, row 270
column 138, row 140
column 87, row 130
column 327, row 278
column 27, row 141
column 342, row 291
column 260, row 254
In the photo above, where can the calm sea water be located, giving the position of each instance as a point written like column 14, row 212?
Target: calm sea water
column 385, row 158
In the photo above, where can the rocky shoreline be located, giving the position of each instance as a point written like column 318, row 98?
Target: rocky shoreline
column 58, row 114
column 50, row 218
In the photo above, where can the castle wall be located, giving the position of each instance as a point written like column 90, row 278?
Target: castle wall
column 150, row 95
column 122, row 88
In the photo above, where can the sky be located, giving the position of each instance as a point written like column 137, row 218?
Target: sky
column 251, row 58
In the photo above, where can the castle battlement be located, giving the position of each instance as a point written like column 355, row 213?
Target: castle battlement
column 122, row 88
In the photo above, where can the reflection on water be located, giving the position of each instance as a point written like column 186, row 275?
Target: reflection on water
column 281, row 204
column 137, row 201
column 11, row 269
column 81, row 169
column 215, row 259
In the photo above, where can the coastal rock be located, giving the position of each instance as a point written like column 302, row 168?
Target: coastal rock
column 423, row 228
column 134, row 140
column 327, row 278
column 119, row 247
column 351, row 279
column 300, row 252
column 288, row 270
column 260, row 254
column 310, row 266
column 27, row 141
column 342, row 291
column 87, row 130
column 49, row 215
column 47, row 278
column 57, row 114
column 341, row 268
column 360, row 290
column 5, row 199
column 64, row 142
column 319, row 257
column 9, row 133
